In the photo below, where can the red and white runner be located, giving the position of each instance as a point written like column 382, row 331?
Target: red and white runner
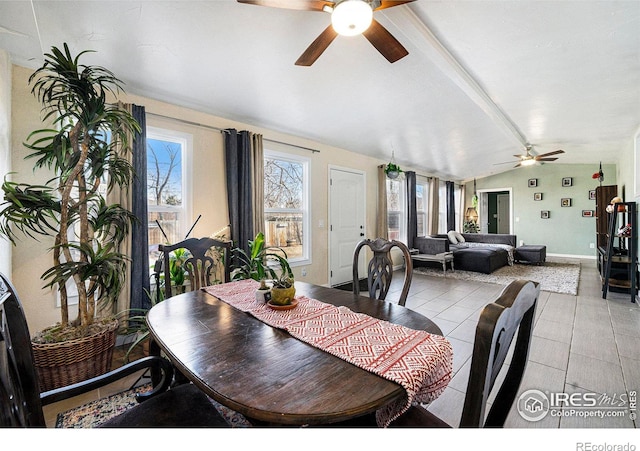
column 419, row 361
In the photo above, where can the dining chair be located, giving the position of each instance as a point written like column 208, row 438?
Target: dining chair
column 21, row 401
column 205, row 255
column 513, row 311
column 380, row 268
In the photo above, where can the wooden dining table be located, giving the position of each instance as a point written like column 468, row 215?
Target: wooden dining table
column 263, row 372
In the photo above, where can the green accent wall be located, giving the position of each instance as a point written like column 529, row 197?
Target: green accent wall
column 566, row 231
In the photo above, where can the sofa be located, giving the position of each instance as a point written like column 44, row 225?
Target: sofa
column 479, row 252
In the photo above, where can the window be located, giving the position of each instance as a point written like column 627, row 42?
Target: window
column 167, row 193
column 286, row 205
column 396, row 210
column 442, row 207
column 422, row 206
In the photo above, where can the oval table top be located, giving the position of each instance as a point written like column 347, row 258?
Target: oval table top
column 266, row 374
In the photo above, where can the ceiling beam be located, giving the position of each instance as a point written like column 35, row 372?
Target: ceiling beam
column 419, row 33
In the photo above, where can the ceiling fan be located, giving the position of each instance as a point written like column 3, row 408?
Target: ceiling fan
column 528, row 159
column 348, row 18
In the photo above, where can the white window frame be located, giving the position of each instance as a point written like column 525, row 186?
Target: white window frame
column 424, row 182
column 306, row 203
column 186, row 141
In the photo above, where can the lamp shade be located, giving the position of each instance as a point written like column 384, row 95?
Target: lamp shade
column 351, row 17
column 471, row 214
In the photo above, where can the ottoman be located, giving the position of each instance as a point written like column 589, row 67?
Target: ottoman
column 531, row 253
column 480, row 259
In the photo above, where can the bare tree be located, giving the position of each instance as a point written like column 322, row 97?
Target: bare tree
column 159, row 174
column 283, row 184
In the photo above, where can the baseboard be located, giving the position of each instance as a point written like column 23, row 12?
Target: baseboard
column 588, row 257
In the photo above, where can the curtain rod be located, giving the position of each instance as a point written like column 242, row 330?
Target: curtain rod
column 211, row 127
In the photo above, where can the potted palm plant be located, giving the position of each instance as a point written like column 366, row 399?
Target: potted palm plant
column 84, row 149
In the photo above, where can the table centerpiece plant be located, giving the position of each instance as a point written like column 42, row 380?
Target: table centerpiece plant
column 265, row 263
column 84, row 149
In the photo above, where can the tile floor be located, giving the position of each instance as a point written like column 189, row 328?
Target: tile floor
column 580, row 343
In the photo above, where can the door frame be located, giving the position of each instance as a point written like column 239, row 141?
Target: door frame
column 482, row 197
column 330, row 168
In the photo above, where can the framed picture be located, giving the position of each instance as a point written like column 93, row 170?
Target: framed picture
column 567, row 181
column 592, row 194
column 588, row 213
column 544, row 214
column 537, row 196
column 533, row 183
column 565, row 202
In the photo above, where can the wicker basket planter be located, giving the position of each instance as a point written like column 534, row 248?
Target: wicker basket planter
column 60, row 364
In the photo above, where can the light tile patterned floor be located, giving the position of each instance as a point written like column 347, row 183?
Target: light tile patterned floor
column 580, row 343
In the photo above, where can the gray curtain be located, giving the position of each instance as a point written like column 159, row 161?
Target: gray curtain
column 140, row 230
column 237, row 150
column 451, row 206
column 412, row 213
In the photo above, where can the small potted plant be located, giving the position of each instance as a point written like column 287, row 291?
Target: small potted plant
column 261, row 264
column 283, row 290
column 392, row 170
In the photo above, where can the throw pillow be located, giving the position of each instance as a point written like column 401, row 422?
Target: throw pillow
column 452, row 236
column 459, row 237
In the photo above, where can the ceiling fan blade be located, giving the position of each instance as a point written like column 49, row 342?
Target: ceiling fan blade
column 301, row 5
column 384, row 42
column 318, row 46
column 546, row 159
column 517, row 165
column 384, row 4
column 555, row 152
column 519, row 156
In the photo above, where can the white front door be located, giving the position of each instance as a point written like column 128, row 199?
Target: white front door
column 346, row 222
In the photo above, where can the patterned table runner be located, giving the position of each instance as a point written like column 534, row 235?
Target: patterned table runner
column 419, row 361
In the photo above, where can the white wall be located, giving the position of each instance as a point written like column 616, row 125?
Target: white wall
column 5, row 145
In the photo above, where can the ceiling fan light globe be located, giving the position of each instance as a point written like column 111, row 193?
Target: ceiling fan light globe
column 529, row 162
column 351, row 17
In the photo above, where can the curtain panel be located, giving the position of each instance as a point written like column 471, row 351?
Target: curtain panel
column 412, row 213
column 257, row 177
column 237, row 150
column 451, row 205
column 462, row 208
column 382, row 225
column 136, row 245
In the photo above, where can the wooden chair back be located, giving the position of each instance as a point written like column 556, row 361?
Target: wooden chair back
column 200, row 265
column 380, row 268
column 20, row 404
column 513, row 311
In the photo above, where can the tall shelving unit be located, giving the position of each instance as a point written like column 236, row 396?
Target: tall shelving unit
column 620, row 260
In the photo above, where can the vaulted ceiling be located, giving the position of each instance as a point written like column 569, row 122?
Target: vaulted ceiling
column 482, row 78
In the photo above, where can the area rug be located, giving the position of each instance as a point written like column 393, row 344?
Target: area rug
column 557, row 277
column 95, row 413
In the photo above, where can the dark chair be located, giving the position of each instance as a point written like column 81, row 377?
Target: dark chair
column 201, row 264
column 513, row 311
column 21, row 401
column 380, row 269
